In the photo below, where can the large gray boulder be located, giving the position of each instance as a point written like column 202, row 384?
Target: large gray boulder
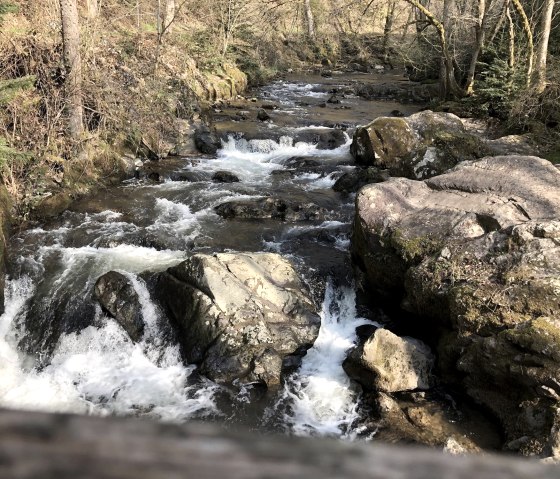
column 476, row 253
column 420, row 146
column 239, row 315
column 388, row 363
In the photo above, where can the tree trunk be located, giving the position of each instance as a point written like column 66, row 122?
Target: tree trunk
column 498, row 24
column 169, row 14
column 92, row 9
column 529, row 34
column 511, row 36
column 310, row 20
column 389, row 18
column 479, row 43
column 407, row 24
column 448, row 82
column 73, row 65
column 449, row 85
column 539, row 79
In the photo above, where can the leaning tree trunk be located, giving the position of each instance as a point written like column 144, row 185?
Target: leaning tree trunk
column 479, row 43
column 310, row 20
column 73, row 65
column 448, row 82
column 529, row 34
column 539, row 78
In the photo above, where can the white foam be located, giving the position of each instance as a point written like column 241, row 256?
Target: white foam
column 100, row 370
column 321, row 398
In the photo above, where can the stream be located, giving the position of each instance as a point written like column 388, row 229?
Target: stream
column 59, row 352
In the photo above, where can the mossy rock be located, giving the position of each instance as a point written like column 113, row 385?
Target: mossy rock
column 415, row 249
column 541, row 336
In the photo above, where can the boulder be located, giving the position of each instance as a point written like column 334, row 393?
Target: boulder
column 262, row 115
column 117, row 296
column 352, row 181
column 224, row 177
column 388, row 363
column 476, row 254
column 239, row 315
column 206, row 140
column 271, row 208
column 420, row 146
column 433, row 418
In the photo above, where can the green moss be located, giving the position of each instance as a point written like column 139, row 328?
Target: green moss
column 413, row 250
column 553, row 157
column 10, row 88
column 541, row 336
column 8, row 7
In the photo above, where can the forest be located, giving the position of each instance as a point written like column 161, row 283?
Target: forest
column 123, row 62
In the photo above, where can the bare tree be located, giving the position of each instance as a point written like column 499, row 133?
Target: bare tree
column 389, row 18
column 480, row 29
column 92, row 8
column 539, row 78
column 511, row 37
column 529, row 34
column 73, row 65
column 310, row 20
column 448, row 82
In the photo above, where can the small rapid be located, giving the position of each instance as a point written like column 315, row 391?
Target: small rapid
column 60, row 352
column 319, row 398
column 99, row 370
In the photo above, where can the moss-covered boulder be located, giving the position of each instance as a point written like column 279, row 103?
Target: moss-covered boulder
column 475, row 253
column 420, row 146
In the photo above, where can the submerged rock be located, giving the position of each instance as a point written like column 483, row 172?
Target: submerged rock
column 262, row 115
column 476, row 253
column 116, row 294
column 225, row 177
column 388, row 363
column 271, row 208
column 190, row 176
column 239, row 315
column 420, row 146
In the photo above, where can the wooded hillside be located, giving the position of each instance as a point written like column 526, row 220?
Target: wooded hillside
column 82, row 81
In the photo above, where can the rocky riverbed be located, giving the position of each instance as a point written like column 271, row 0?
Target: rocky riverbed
column 300, row 267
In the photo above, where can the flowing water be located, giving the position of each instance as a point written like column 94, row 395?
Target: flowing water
column 58, row 350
